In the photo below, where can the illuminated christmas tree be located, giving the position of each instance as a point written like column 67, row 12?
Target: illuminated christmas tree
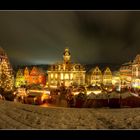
column 6, row 76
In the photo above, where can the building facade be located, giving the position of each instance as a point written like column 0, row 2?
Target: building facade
column 116, row 80
column 20, row 79
column 94, row 76
column 130, row 72
column 126, row 73
column 66, row 72
column 37, row 76
column 26, row 77
column 107, row 77
column 136, row 72
column 136, row 67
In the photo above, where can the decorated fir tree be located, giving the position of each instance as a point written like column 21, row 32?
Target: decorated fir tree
column 6, row 78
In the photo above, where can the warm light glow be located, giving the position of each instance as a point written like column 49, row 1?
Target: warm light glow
column 51, row 76
column 136, row 83
column 53, row 86
column 107, row 81
column 64, row 67
column 75, row 93
column 116, row 80
column 71, row 76
column 66, row 72
column 66, row 76
column 40, row 91
column 7, row 78
column 56, row 75
column 95, row 92
column 89, row 92
column 61, row 76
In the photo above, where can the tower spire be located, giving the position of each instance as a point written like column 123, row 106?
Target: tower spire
column 66, row 55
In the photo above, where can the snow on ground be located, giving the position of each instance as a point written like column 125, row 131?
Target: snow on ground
column 23, row 116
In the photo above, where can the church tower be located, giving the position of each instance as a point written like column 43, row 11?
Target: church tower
column 66, row 56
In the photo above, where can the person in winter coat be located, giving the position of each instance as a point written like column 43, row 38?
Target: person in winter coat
column 71, row 101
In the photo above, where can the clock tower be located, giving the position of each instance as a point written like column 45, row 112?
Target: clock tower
column 66, row 56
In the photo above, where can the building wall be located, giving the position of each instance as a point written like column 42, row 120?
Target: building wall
column 66, row 77
column 20, row 79
column 131, row 70
column 27, row 76
column 107, row 77
column 34, row 77
column 94, row 76
column 136, row 70
column 66, row 72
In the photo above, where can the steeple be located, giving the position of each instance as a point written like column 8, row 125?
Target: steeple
column 66, row 55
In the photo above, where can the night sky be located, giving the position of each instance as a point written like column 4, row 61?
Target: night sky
column 39, row 37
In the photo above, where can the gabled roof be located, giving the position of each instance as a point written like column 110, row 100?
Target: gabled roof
column 107, row 70
column 127, row 63
column 92, row 69
column 19, row 72
column 137, row 59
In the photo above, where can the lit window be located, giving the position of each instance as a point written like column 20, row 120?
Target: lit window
column 51, row 76
column 61, row 76
column 66, row 76
column 71, row 76
column 56, row 76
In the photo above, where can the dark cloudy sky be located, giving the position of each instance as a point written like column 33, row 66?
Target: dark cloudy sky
column 39, row 37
